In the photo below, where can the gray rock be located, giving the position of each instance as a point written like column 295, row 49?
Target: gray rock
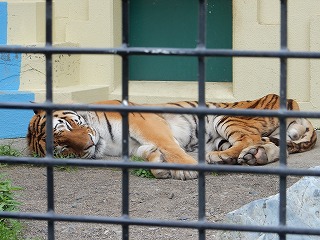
column 303, row 210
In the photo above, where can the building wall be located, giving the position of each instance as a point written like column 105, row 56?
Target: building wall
column 97, row 23
column 257, row 26
column 83, row 23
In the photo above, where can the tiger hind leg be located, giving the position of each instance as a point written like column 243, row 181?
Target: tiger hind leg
column 152, row 153
column 230, row 155
column 238, row 140
column 259, row 154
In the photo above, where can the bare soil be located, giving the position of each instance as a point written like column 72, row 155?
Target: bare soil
column 93, row 191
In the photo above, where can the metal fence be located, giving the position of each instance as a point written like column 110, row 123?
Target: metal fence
column 201, row 53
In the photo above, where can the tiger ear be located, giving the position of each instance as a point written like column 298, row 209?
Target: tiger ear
column 36, row 111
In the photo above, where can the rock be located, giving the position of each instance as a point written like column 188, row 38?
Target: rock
column 171, row 195
column 303, row 210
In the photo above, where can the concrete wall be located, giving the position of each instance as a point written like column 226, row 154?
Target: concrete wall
column 97, row 23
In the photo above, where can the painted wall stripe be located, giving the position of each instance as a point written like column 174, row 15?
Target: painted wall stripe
column 3, row 22
column 10, row 67
column 13, row 123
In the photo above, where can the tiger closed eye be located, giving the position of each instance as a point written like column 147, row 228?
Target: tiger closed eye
column 64, row 148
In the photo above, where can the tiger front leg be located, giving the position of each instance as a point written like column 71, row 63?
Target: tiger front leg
column 221, row 157
column 152, row 153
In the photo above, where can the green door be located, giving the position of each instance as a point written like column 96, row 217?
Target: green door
column 174, row 23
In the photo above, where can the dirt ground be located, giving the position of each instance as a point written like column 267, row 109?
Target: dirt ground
column 92, row 191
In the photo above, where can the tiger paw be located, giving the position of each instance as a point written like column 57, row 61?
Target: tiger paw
column 152, row 154
column 146, row 151
column 217, row 157
column 161, row 173
column 253, row 155
column 183, row 174
column 259, row 154
column 175, row 174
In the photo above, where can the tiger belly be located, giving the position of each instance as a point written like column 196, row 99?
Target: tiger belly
column 112, row 145
column 185, row 131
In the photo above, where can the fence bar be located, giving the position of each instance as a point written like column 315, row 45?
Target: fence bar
column 162, row 51
column 149, row 165
column 148, row 109
column 283, row 105
column 125, row 120
column 201, row 118
column 163, row 223
column 49, row 126
column 201, row 59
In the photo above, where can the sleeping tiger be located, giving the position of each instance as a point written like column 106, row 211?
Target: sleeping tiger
column 168, row 137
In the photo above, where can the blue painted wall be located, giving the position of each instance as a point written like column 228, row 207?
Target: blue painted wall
column 3, row 22
column 13, row 123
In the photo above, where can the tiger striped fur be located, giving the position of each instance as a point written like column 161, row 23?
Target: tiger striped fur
column 168, row 137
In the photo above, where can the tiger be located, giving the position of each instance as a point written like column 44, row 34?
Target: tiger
column 168, row 138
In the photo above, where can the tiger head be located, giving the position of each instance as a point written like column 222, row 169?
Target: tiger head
column 72, row 136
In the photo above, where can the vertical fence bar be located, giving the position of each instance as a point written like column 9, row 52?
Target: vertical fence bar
column 49, row 127
column 125, row 120
column 283, row 105
column 201, row 100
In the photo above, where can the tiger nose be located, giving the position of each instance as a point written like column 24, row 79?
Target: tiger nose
column 90, row 144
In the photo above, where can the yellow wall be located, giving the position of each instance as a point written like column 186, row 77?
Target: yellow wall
column 77, row 23
column 97, row 23
column 257, row 26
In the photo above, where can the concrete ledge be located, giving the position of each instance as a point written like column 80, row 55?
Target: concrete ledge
column 166, row 91
column 76, row 94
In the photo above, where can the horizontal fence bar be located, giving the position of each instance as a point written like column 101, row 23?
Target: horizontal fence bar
column 148, row 109
column 196, row 52
column 161, row 223
column 279, row 170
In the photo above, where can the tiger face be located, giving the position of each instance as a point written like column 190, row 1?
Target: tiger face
column 72, row 135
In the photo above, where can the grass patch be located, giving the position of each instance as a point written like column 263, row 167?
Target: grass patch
column 140, row 172
column 7, row 150
column 7, row 202
column 64, row 167
column 60, row 167
column 9, row 228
